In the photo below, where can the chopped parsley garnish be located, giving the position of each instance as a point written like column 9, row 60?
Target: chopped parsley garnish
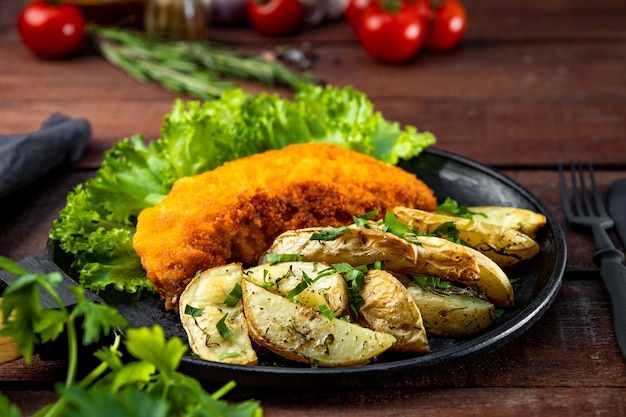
column 303, row 285
column 448, row 231
column 395, row 226
column 450, row 206
column 267, row 284
column 223, row 329
column 435, row 282
column 355, row 278
column 329, row 233
column 193, row 311
column 235, row 295
column 275, row 258
column 229, row 355
column 326, row 311
column 364, row 219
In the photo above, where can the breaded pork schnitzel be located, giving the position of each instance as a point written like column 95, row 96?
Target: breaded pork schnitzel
column 234, row 212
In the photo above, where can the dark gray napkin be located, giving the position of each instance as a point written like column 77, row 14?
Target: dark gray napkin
column 27, row 157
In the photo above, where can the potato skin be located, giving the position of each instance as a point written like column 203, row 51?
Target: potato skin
column 302, row 334
column 363, row 246
column 503, row 245
column 388, row 307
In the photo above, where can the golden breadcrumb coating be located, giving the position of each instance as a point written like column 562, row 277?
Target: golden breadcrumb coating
column 234, row 212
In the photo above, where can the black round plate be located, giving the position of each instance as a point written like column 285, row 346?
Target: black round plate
column 469, row 183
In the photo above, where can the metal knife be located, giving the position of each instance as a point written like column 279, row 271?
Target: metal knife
column 616, row 199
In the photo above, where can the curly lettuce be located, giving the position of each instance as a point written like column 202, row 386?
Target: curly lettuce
column 97, row 224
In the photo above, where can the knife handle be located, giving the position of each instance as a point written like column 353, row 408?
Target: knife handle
column 613, row 273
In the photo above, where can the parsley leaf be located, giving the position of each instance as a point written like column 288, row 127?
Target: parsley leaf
column 223, row 329
column 329, row 233
column 193, row 311
column 149, row 344
column 234, row 296
column 274, row 258
column 450, row 206
column 330, row 315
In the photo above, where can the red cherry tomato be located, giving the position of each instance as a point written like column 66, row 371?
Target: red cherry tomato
column 354, row 12
column 424, row 10
column 275, row 17
column 391, row 35
column 51, row 30
column 447, row 26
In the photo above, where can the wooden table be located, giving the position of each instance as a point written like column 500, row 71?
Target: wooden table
column 534, row 83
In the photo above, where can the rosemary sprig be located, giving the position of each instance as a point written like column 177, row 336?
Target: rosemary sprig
column 199, row 69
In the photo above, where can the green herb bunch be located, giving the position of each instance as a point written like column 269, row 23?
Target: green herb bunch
column 200, row 69
column 149, row 385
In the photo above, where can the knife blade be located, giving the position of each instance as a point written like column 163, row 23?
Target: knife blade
column 616, row 201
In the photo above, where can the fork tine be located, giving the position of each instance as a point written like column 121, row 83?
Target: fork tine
column 595, row 190
column 584, row 191
column 576, row 182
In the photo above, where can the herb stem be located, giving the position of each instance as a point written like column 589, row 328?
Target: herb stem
column 96, row 372
column 72, row 342
column 195, row 68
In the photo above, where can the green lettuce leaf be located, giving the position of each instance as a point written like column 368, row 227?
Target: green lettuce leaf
column 97, row 224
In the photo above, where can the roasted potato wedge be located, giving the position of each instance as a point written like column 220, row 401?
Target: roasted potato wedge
column 522, row 220
column 452, row 311
column 493, row 281
column 202, row 306
column 303, row 334
column 363, row 246
column 325, row 287
column 505, row 246
column 389, row 308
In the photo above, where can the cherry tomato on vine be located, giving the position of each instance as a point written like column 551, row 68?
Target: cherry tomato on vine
column 354, row 12
column 447, row 25
column 275, row 17
column 391, row 32
column 51, row 30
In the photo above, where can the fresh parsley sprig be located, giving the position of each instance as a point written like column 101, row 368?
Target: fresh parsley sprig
column 148, row 385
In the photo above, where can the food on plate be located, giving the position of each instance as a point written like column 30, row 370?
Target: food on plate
column 234, row 212
column 388, row 307
column 492, row 282
column 97, row 224
column 365, row 246
column 214, row 319
column 376, row 274
column 525, row 221
column 504, row 245
column 313, row 284
column 449, row 310
column 306, row 335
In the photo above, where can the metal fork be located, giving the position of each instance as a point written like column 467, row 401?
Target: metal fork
column 586, row 210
